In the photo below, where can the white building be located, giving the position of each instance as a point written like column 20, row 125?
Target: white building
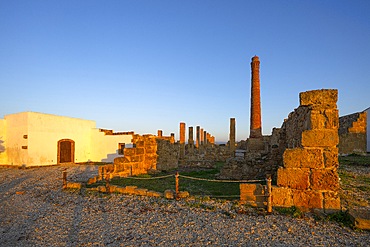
column 38, row 139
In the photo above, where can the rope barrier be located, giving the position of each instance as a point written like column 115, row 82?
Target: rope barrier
column 222, row 181
column 167, row 176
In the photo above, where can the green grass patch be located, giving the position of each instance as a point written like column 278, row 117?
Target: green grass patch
column 354, row 159
column 194, row 187
column 292, row 211
column 341, row 217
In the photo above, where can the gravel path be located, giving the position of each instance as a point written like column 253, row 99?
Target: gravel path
column 34, row 211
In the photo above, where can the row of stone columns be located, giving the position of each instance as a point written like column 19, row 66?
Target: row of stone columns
column 202, row 139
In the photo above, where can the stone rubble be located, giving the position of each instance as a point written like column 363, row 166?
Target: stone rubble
column 35, row 211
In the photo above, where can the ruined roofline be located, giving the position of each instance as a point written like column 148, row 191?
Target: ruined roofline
column 111, row 132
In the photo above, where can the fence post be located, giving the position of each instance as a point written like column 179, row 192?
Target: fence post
column 64, row 178
column 269, row 193
column 177, row 185
column 107, row 185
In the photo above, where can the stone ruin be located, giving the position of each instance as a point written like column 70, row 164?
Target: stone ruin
column 352, row 133
column 301, row 156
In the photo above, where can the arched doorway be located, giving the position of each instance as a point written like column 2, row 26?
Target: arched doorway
column 66, row 151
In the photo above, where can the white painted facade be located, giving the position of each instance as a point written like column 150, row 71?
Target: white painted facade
column 31, row 139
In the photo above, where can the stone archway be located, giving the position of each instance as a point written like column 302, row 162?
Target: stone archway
column 66, row 151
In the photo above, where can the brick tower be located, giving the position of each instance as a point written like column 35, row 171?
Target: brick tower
column 255, row 125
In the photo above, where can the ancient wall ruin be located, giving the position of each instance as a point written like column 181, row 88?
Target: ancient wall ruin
column 352, row 133
column 308, row 177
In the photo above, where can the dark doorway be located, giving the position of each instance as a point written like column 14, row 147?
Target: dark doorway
column 66, row 151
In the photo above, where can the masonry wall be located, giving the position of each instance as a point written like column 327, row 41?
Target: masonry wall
column 353, row 133
column 308, row 177
column 140, row 159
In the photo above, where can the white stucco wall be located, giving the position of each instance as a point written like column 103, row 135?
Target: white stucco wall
column 16, row 128
column 44, row 132
column 3, row 156
column 104, row 148
column 41, row 132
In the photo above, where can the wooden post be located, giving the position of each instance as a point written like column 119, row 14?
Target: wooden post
column 177, row 185
column 64, row 178
column 269, row 193
column 130, row 171
column 107, row 177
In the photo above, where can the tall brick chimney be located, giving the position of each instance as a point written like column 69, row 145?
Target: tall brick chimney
column 255, row 125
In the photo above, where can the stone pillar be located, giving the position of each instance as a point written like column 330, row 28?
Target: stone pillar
column 201, row 136
column 205, row 138
column 191, row 140
column 159, row 133
column 255, row 125
column 198, row 137
column 182, row 140
column 172, row 138
column 232, row 137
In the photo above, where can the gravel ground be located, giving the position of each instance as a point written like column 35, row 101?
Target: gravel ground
column 34, row 211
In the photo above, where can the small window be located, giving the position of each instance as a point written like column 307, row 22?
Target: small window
column 24, row 147
column 25, row 136
column 121, row 147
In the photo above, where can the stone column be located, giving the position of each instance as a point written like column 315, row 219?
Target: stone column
column 232, row 136
column 172, row 138
column 255, row 125
column 182, row 140
column 159, row 133
column 198, row 137
column 205, row 138
column 191, row 140
column 201, row 136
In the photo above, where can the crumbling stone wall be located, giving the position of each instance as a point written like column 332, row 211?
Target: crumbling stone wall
column 308, row 177
column 139, row 159
column 352, row 133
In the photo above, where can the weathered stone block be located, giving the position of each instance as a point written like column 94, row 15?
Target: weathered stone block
column 140, row 151
column 360, row 218
column 137, row 158
column 324, row 179
column 169, row 194
column 154, row 194
column 331, row 157
column 183, row 194
column 324, row 119
column 320, row 138
column 140, row 192
column 303, row 158
column 282, row 197
column 140, row 144
column 130, row 189
column 252, row 194
column 322, row 97
column 129, row 151
column 331, row 201
column 294, row 178
column 307, row 199
column 74, row 185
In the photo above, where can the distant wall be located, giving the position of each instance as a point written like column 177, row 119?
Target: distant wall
column 353, row 133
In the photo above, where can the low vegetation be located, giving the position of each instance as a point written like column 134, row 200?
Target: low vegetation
column 354, row 173
column 194, row 187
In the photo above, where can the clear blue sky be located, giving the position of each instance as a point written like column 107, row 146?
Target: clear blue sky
column 148, row 65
